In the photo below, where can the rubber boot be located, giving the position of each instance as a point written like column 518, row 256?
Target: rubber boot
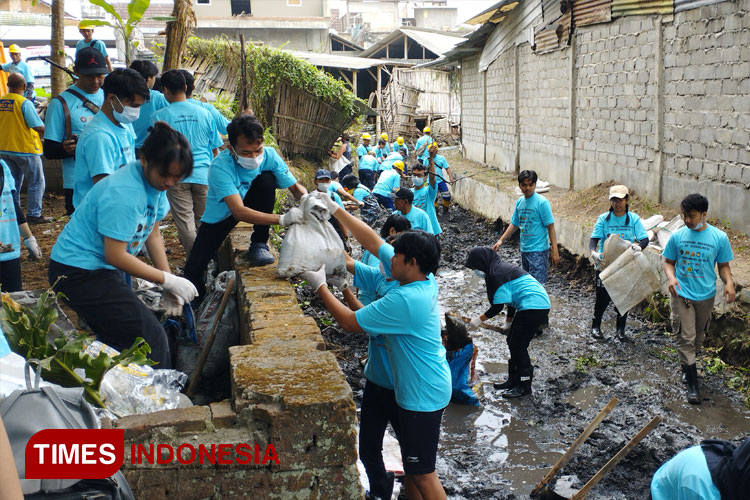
column 620, row 332
column 683, row 377
column 524, row 386
column 382, row 489
column 512, row 380
column 596, row 330
column 693, row 392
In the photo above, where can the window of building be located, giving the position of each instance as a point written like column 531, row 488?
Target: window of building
column 240, row 7
column 203, row 2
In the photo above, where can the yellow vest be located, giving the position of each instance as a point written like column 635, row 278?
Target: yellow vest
column 16, row 136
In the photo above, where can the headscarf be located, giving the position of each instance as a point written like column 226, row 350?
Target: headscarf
column 497, row 272
column 729, row 466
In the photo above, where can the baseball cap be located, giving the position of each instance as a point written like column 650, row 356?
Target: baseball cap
column 404, row 194
column 14, row 49
column 89, row 61
column 322, row 174
column 618, row 191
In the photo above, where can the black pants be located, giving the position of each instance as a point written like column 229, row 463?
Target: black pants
column 345, row 171
column 261, row 197
column 10, row 275
column 522, row 330
column 602, row 301
column 69, row 209
column 367, row 177
column 110, row 308
column 378, row 408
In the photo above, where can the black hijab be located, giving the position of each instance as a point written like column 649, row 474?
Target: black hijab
column 729, row 466
column 497, row 272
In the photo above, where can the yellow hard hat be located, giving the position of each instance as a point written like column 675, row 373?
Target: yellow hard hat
column 85, row 25
column 384, row 136
column 434, row 144
column 426, row 130
column 400, row 141
column 14, row 49
column 399, row 165
column 366, row 136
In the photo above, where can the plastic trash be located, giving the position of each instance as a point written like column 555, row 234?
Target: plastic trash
column 12, row 375
column 629, row 280
column 614, row 246
column 665, row 230
column 311, row 243
column 652, row 222
column 134, row 389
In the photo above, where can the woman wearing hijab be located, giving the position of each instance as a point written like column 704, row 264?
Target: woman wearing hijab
column 509, row 284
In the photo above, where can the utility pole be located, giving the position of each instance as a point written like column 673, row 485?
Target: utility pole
column 57, row 41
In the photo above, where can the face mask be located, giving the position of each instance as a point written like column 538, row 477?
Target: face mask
column 418, row 181
column 479, row 273
column 698, row 226
column 250, row 163
column 323, row 186
column 129, row 113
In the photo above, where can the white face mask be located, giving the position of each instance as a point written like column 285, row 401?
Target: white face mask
column 323, row 186
column 698, row 226
column 418, row 181
column 250, row 163
column 129, row 113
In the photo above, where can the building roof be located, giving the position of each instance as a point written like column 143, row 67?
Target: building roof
column 436, row 41
column 341, row 62
column 494, row 14
column 344, row 41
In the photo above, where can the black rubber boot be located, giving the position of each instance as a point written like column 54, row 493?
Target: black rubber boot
column 596, row 330
column 512, row 380
column 693, row 392
column 683, row 377
column 382, row 489
column 620, row 332
column 524, row 386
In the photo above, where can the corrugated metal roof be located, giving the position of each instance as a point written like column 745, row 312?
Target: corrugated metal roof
column 513, row 31
column 680, row 5
column 641, row 7
column 438, row 42
column 552, row 10
column 586, row 12
column 553, row 36
column 493, row 14
column 341, row 62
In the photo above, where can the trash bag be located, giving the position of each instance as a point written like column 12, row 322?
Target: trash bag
column 665, row 229
column 629, row 280
column 135, row 389
column 337, row 165
column 614, row 246
column 311, row 243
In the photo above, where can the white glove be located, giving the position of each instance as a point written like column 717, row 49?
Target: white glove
column 361, row 203
column 475, row 322
column 179, row 286
column 636, row 247
column 597, row 256
column 315, row 279
column 293, row 216
column 35, row 252
column 340, row 282
column 172, row 304
column 331, row 205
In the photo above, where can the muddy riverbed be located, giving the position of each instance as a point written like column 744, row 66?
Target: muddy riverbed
column 501, row 450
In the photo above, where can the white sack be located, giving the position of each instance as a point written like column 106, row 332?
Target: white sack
column 629, row 280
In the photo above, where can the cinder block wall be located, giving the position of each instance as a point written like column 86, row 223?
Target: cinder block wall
column 660, row 103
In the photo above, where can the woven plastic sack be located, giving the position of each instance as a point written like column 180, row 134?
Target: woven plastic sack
column 629, row 280
column 311, row 243
column 614, row 246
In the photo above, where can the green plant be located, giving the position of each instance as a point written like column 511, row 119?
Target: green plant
column 583, row 363
column 136, row 9
column 40, row 92
column 61, row 358
column 657, row 308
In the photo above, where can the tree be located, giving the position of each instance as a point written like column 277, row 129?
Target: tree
column 136, row 9
column 58, row 46
column 178, row 32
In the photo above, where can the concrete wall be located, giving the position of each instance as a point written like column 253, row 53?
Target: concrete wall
column 660, row 103
column 437, row 18
column 282, row 8
column 310, row 39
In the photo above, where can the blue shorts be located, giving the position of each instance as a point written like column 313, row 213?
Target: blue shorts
column 536, row 264
column 443, row 190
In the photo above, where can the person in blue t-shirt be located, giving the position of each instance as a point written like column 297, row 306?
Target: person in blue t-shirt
column 365, row 147
column 691, row 256
column 188, row 198
column 369, row 208
column 422, row 146
column 394, row 225
column 387, row 162
column 425, row 192
column 443, row 170
column 409, row 318
column 242, row 183
column 156, row 101
column 399, row 144
column 219, row 119
column 403, row 201
column 68, row 114
column 16, row 65
column 108, row 142
column 368, row 166
column 509, row 284
column 119, row 215
column 621, row 221
column 382, row 150
column 388, row 183
column 87, row 32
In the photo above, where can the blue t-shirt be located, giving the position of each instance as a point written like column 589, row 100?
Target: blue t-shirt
column 32, row 120
column 685, row 476
column 696, row 254
column 361, row 192
column 80, row 116
column 418, row 218
column 333, row 194
column 123, row 206
column 4, row 347
column 378, row 368
column 368, row 259
column 441, row 164
column 628, row 227
column 389, row 160
column 425, row 139
column 396, row 147
column 9, row 233
column 196, row 124
column 97, row 44
column 219, row 120
column 19, row 67
column 226, row 177
column 424, row 198
column 155, row 102
column 363, row 150
column 409, row 317
column 522, row 293
column 382, row 152
column 368, row 162
column 531, row 216
column 388, row 181
column 102, row 148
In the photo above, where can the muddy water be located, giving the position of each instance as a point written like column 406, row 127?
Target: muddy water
column 504, row 448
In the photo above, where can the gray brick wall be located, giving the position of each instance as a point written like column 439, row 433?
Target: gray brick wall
column 472, row 109
column 501, row 127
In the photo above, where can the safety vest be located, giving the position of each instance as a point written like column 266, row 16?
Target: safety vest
column 16, row 136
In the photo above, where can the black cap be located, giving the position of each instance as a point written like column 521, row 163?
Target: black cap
column 405, row 194
column 89, row 61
